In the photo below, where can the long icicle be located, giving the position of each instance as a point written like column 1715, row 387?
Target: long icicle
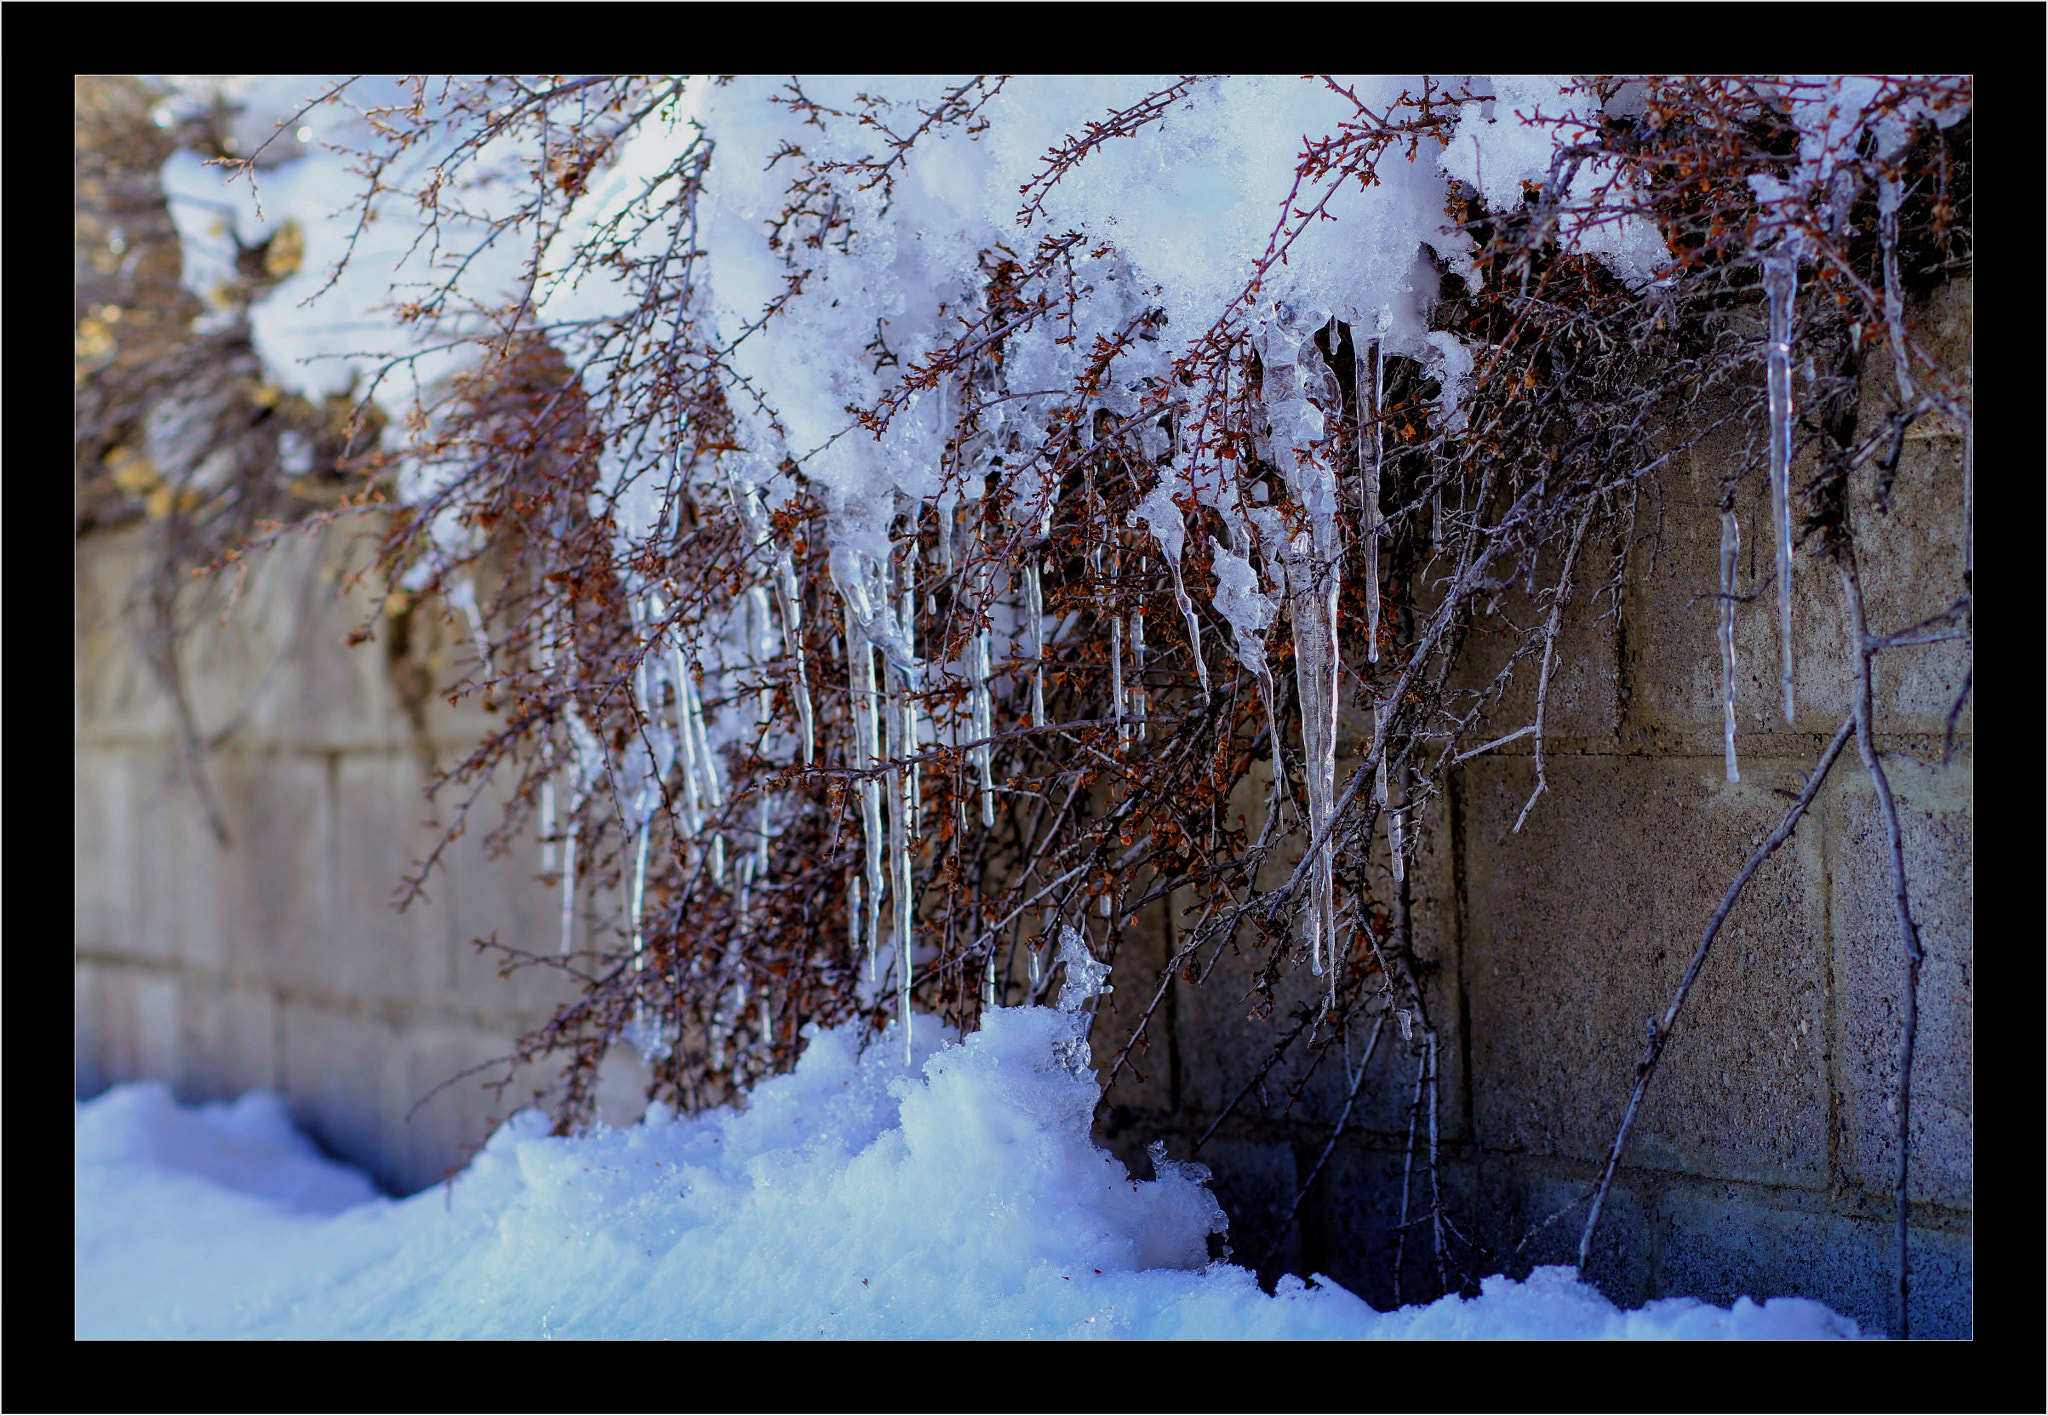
column 713, row 794
column 1781, row 284
column 1312, row 558
column 1034, row 611
column 1731, row 550
column 983, row 710
column 693, row 802
column 1139, row 706
column 860, row 657
column 902, row 729
column 569, row 880
column 1369, row 451
column 793, row 644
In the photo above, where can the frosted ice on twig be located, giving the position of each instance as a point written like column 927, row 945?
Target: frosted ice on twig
column 1085, row 980
column 1085, row 976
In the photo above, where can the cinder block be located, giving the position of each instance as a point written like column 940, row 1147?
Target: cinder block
column 127, row 1024
column 1722, row 1242
column 1934, row 817
column 104, row 825
column 179, row 895
column 1583, row 700
column 372, row 950
column 478, row 897
column 341, row 1076
column 1580, row 929
column 1536, row 1213
column 227, row 1040
column 115, row 696
column 89, row 1075
column 276, row 878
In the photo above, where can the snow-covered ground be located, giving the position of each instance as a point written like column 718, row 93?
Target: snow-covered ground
column 959, row 1196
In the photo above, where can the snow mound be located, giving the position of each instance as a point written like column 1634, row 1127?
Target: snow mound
column 958, row 1196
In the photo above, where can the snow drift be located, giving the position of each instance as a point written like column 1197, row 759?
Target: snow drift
column 960, row 1196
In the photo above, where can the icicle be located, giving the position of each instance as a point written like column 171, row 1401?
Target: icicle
column 1139, row 706
column 861, row 687
column 908, row 687
column 464, row 596
column 1084, row 980
column 982, row 710
column 793, row 644
column 1888, row 196
column 639, row 897
column 853, row 919
column 1379, row 777
column 1397, row 844
column 765, row 638
column 1034, row 611
column 901, row 725
column 1781, row 283
column 1116, row 651
column 1169, row 529
column 705, row 766
column 693, row 800
column 988, row 979
column 1731, row 549
column 1311, row 557
column 1370, row 449
column 547, row 786
column 569, row 883
column 547, row 825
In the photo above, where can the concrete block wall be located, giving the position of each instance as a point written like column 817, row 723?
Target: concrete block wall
column 1762, row 1160
column 277, row 959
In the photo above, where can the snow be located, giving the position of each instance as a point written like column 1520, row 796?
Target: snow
column 322, row 345
column 957, row 1196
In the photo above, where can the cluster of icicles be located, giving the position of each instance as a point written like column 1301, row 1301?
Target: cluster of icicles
column 885, row 676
